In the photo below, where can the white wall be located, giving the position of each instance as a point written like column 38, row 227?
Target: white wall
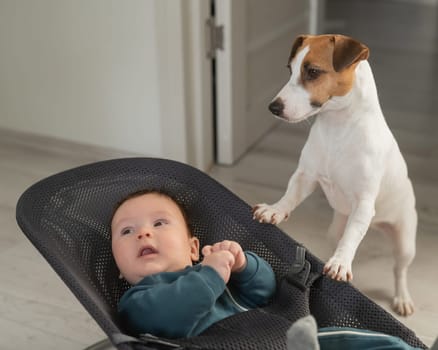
column 82, row 70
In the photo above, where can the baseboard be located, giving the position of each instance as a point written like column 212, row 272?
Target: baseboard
column 35, row 142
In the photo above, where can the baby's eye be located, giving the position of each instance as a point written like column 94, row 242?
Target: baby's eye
column 160, row 222
column 127, row 230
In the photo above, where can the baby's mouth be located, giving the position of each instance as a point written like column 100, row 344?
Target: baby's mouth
column 145, row 251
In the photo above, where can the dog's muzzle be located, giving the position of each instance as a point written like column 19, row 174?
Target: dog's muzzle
column 276, row 107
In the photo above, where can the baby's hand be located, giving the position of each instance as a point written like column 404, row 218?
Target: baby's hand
column 221, row 261
column 230, row 246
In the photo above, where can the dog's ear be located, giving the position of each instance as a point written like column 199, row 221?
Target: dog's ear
column 298, row 42
column 347, row 51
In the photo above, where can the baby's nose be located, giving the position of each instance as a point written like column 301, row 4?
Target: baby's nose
column 143, row 233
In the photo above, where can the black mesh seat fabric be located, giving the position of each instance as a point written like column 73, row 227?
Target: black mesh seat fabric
column 66, row 217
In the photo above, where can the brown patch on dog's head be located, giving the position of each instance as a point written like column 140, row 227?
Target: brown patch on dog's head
column 297, row 44
column 328, row 68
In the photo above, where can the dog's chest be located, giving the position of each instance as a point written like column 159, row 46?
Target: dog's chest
column 332, row 162
column 335, row 195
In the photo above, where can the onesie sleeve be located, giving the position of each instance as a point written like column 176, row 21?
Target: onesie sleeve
column 256, row 284
column 170, row 304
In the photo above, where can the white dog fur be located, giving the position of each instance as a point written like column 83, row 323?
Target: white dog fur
column 350, row 153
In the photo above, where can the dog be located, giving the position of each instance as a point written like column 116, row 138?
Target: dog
column 350, row 152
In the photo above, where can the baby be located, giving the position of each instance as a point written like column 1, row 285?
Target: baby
column 171, row 297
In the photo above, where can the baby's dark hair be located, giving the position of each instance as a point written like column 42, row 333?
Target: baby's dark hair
column 160, row 192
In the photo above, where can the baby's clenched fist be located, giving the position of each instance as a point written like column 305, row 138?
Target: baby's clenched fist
column 232, row 247
column 222, row 261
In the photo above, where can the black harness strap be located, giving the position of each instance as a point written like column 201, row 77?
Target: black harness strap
column 292, row 298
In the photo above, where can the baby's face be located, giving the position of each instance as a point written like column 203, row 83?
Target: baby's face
column 150, row 235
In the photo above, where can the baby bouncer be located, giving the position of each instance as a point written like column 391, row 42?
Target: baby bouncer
column 67, row 218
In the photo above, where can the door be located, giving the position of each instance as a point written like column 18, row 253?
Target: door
column 251, row 68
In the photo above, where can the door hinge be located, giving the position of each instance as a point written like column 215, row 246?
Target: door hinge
column 215, row 37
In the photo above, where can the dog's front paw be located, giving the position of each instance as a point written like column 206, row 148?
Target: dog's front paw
column 339, row 269
column 404, row 306
column 269, row 214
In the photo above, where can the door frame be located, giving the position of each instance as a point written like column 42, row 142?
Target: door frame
column 194, row 77
column 234, row 135
column 230, row 91
column 184, row 69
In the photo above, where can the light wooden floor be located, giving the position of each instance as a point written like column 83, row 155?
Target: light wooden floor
column 37, row 311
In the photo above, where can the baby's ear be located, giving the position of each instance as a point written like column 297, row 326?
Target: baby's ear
column 194, row 248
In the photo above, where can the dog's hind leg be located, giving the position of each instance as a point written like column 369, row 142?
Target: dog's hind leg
column 404, row 253
column 403, row 236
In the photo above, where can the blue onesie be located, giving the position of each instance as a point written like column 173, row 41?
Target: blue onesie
column 185, row 303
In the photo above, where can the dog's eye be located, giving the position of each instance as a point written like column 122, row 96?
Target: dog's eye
column 312, row 73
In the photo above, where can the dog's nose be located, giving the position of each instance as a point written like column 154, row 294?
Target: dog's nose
column 276, row 107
